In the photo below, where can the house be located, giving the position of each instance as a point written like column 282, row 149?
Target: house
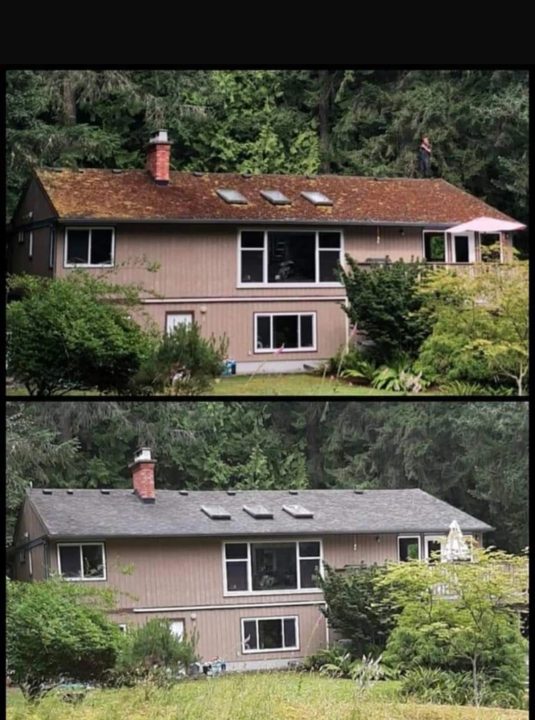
column 237, row 567
column 251, row 256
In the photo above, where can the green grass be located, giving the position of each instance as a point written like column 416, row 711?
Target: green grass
column 288, row 384
column 266, row 696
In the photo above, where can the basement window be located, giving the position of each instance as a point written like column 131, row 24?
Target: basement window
column 270, row 634
column 82, row 561
column 284, row 332
column 89, row 247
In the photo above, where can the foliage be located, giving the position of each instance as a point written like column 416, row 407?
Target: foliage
column 399, row 378
column 358, row 608
column 479, row 326
column 351, row 365
column 384, row 302
column 153, row 653
column 184, row 363
column 364, row 672
column 472, row 627
column 66, row 334
column 58, row 629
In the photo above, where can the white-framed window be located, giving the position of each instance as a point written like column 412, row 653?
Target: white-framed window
column 463, row 248
column 30, row 243
column 290, row 331
column 177, row 628
column 82, row 561
column 173, row 320
column 433, row 547
column 409, row 548
column 270, row 634
column 272, row 567
column 89, row 247
column 289, row 258
column 123, row 627
column 20, row 237
column 434, row 242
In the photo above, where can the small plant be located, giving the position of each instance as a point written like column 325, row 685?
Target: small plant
column 367, row 671
column 342, row 665
column 399, row 378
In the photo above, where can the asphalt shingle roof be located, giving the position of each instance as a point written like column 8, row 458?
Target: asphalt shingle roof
column 133, row 195
column 89, row 513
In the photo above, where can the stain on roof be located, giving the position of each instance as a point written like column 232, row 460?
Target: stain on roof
column 89, row 513
column 133, row 195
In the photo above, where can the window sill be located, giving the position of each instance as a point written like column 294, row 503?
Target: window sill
column 102, row 579
column 271, row 650
column 286, row 350
column 86, row 265
column 256, row 593
column 291, row 286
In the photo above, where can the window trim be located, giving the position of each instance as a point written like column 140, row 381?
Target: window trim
column 471, row 247
column 30, row 244
column 83, row 579
column 435, row 232
column 51, row 247
column 255, row 593
column 265, row 283
column 312, row 348
column 282, row 618
column 410, row 537
column 90, row 228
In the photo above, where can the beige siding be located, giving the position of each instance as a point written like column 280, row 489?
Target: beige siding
column 342, row 550
column 219, row 631
column 236, row 320
column 29, row 523
column 364, row 243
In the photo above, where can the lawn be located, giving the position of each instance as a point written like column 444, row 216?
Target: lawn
column 266, row 696
column 288, row 384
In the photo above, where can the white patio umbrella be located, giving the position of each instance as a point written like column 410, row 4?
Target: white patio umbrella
column 486, row 225
column 455, row 547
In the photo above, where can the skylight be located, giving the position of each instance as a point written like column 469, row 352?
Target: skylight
column 298, row 511
column 233, row 197
column 317, row 198
column 258, row 511
column 215, row 512
column 275, row 197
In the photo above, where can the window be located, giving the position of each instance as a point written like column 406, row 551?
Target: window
column 285, row 330
column 29, row 236
column 82, row 562
column 460, row 244
column 408, row 547
column 434, row 246
column 433, row 547
column 122, row 627
column 173, row 320
column 177, row 628
column 269, row 634
column 89, row 246
column 272, row 566
column 490, row 247
column 290, row 257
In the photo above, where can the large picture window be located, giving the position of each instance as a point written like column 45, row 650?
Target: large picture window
column 270, row 634
column 82, row 561
column 272, row 566
column 289, row 257
column 89, row 247
column 289, row 331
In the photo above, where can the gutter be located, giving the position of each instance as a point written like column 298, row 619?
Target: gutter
column 247, row 221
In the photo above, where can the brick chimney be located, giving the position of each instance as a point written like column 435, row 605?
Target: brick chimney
column 143, row 475
column 158, row 157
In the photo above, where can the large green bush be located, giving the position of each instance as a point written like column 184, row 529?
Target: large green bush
column 58, row 629
column 469, row 629
column 73, row 333
column 358, row 608
column 153, row 652
column 384, row 302
column 184, row 363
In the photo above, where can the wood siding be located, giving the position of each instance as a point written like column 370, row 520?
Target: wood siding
column 30, row 523
column 18, row 260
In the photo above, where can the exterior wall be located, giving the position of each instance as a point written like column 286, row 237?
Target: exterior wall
column 18, row 259
column 35, row 201
column 35, row 560
column 364, row 243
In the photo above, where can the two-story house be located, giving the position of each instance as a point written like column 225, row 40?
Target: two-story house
column 238, row 567
column 251, row 256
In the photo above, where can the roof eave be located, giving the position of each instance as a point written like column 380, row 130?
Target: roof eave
column 75, row 220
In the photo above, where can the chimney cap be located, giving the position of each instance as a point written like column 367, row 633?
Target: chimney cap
column 142, row 454
column 159, row 137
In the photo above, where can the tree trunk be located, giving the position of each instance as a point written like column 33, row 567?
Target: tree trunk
column 324, row 106
column 69, row 101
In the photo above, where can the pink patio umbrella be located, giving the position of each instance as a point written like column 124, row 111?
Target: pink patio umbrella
column 487, row 225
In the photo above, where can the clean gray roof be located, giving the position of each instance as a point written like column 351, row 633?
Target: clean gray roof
column 92, row 514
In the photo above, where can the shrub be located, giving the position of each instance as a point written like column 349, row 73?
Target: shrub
column 58, row 629
column 65, row 334
column 184, row 363
column 384, row 302
column 398, row 378
column 358, row 608
column 153, row 652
